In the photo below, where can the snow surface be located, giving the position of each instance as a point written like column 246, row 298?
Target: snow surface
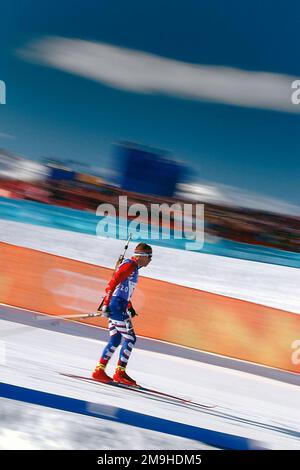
column 254, row 407
column 25, row 426
column 265, row 284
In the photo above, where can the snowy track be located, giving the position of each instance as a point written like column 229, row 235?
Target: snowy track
column 260, row 410
column 257, row 408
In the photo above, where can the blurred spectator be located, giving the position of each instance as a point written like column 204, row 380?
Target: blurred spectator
column 31, row 181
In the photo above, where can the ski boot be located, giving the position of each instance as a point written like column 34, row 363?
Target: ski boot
column 100, row 375
column 121, row 377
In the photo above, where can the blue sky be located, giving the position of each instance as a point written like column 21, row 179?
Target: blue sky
column 55, row 113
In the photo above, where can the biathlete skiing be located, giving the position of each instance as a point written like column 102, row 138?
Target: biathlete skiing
column 119, row 309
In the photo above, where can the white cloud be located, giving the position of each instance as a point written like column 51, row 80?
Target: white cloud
column 141, row 72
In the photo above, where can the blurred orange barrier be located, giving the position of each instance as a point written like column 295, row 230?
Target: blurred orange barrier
column 55, row 285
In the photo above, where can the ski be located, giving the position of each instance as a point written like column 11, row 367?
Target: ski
column 140, row 389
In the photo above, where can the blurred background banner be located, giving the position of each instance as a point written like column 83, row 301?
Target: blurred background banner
column 168, row 312
column 147, row 171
